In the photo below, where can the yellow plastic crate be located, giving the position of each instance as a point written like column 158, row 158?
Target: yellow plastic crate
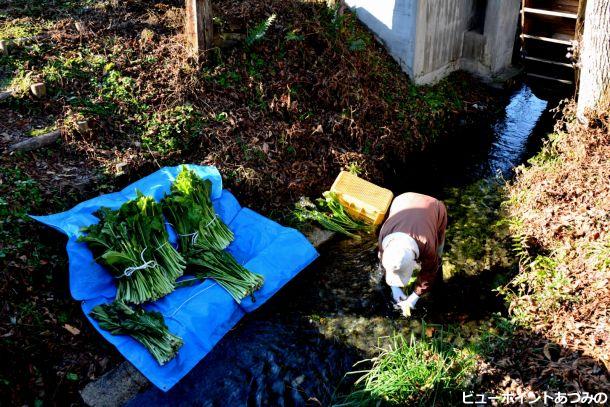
column 362, row 199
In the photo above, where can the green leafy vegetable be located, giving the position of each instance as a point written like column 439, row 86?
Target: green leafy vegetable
column 222, row 267
column 189, row 209
column 204, row 236
column 133, row 245
column 147, row 327
column 331, row 215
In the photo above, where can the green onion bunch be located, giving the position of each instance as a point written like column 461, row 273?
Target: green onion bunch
column 146, row 327
column 331, row 215
column 133, row 245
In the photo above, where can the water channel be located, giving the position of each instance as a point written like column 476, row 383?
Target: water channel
column 296, row 349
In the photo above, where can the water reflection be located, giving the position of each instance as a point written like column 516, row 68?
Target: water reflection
column 513, row 131
column 478, row 150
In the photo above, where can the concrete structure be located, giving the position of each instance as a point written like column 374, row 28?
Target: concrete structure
column 431, row 38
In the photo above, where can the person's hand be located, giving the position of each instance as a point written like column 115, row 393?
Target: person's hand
column 404, row 308
column 398, row 295
column 412, row 300
column 408, row 304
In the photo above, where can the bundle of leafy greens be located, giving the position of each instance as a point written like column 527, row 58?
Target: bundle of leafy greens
column 203, row 236
column 331, row 215
column 147, row 327
column 228, row 273
column 133, row 245
column 189, row 210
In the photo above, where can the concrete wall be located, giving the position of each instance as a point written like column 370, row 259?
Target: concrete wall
column 393, row 21
column 500, row 29
column 440, row 28
column 431, row 38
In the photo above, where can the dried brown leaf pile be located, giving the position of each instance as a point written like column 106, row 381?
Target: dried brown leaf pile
column 561, row 208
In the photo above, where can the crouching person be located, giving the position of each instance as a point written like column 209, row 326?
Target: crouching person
column 412, row 238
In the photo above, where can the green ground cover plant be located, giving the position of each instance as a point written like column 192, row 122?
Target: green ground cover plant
column 412, row 371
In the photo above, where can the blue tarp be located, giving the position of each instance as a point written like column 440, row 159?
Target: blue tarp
column 203, row 313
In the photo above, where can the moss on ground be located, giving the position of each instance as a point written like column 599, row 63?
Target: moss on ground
column 477, row 233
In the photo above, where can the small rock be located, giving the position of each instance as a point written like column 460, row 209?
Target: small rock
column 114, row 388
column 38, row 89
column 73, row 330
column 120, row 168
column 5, row 137
column 82, row 126
column 318, row 236
column 4, row 45
column 297, row 381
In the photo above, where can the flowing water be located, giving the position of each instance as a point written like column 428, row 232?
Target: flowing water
column 296, row 349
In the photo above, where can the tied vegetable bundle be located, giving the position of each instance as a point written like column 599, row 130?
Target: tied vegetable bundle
column 331, row 215
column 204, row 236
column 133, row 245
column 147, row 327
column 189, row 209
column 228, row 273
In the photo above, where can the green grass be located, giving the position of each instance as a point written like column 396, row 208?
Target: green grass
column 107, row 91
column 20, row 83
column 548, row 155
column 539, row 290
column 41, row 131
column 44, row 8
column 173, row 129
column 223, row 78
column 116, row 88
column 412, row 372
column 16, row 67
column 73, row 66
column 19, row 28
column 354, row 168
column 495, row 337
column 599, row 255
column 24, row 196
